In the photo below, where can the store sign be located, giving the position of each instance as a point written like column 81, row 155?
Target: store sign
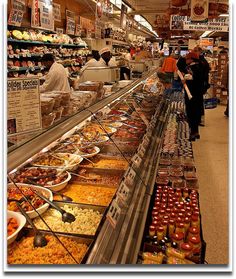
column 206, row 43
column 78, row 30
column 123, row 16
column 199, row 10
column 24, row 113
column 184, row 23
column 57, row 12
column 70, row 22
column 16, row 13
column 42, row 14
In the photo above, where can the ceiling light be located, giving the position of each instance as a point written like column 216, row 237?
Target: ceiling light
column 205, row 34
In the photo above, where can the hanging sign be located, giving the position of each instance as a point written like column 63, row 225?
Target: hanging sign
column 42, row 14
column 213, row 24
column 16, row 13
column 23, row 105
column 123, row 16
column 199, row 10
column 57, row 12
column 70, row 22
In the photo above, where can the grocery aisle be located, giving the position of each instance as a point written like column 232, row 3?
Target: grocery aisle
column 211, row 157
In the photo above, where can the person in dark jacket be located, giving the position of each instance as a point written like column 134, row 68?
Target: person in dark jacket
column 194, row 80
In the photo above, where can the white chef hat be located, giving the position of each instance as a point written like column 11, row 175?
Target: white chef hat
column 103, row 50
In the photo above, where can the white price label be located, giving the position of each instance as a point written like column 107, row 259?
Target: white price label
column 114, row 213
column 149, row 131
column 137, row 160
column 123, row 192
column 129, row 179
column 29, row 54
column 23, row 54
column 11, row 56
column 32, row 69
column 141, row 151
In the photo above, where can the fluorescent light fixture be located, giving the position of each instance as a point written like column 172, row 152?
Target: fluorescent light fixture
column 205, row 34
column 224, row 15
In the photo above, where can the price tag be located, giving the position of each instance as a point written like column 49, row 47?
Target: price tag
column 114, row 213
column 32, row 69
column 123, row 192
column 149, row 131
column 11, row 56
column 17, row 56
column 141, row 150
column 29, row 54
column 129, row 179
column 137, row 160
column 145, row 141
column 23, row 54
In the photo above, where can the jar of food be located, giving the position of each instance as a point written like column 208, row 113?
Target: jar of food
column 188, row 208
column 178, row 238
column 157, row 204
column 180, row 228
column 160, row 233
column 185, row 192
column 196, row 242
column 155, row 223
column 152, row 230
column 168, row 211
column 195, row 220
column 173, row 215
column 179, row 220
column 187, row 249
column 172, row 252
column 171, row 227
column 193, row 231
column 170, row 200
column 165, row 226
column 155, row 214
column 189, row 214
column 181, row 215
column 155, row 208
column 162, row 213
column 175, row 210
column 170, row 205
column 187, row 221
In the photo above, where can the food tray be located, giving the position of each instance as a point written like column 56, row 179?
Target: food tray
column 112, row 150
column 107, row 177
column 27, row 232
column 106, row 162
column 100, row 209
column 86, row 193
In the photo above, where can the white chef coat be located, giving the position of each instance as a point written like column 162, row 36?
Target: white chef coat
column 91, row 63
column 56, row 79
column 102, row 63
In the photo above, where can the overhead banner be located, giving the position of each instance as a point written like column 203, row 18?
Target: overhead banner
column 199, row 10
column 220, row 24
column 16, row 13
column 42, row 14
column 23, row 98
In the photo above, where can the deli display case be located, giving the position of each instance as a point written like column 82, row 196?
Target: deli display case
column 100, row 166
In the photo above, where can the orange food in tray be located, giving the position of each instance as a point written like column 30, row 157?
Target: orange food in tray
column 106, row 163
column 12, row 226
column 88, row 194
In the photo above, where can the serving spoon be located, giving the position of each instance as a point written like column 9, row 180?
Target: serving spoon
column 39, row 238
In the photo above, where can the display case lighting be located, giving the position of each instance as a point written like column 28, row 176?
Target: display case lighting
column 44, row 150
column 11, row 172
column 224, row 15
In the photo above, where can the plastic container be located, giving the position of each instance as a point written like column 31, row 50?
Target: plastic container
column 58, row 113
column 56, row 97
column 47, row 105
column 65, row 98
column 48, row 119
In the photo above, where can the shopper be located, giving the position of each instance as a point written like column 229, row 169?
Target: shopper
column 106, row 58
column 57, row 77
column 194, row 80
column 206, row 69
column 169, row 67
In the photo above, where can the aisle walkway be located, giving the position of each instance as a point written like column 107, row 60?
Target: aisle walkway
column 211, row 157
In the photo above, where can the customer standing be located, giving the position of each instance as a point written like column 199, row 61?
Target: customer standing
column 206, row 69
column 169, row 67
column 194, row 80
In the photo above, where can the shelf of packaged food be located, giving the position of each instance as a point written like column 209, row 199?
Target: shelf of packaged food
column 23, row 69
column 45, row 43
column 120, row 244
column 117, row 42
column 36, row 143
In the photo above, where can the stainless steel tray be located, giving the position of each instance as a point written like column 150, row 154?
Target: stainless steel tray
column 101, row 209
column 27, row 231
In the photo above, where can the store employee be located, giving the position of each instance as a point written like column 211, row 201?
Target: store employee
column 105, row 60
column 57, row 77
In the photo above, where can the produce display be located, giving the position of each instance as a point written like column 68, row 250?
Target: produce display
column 89, row 194
column 24, row 252
column 40, row 176
column 86, row 222
column 15, row 193
column 12, row 226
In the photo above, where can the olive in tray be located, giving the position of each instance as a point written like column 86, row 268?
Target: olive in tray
column 40, row 176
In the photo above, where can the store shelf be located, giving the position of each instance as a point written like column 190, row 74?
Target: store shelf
column 22, row 69
column 44, row 43
column 21, row 154
column 117, row 42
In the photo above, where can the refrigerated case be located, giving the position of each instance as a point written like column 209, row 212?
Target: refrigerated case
column 119, row 235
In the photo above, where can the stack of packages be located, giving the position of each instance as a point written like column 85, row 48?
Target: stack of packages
column 173, row 228
column 222, row 82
